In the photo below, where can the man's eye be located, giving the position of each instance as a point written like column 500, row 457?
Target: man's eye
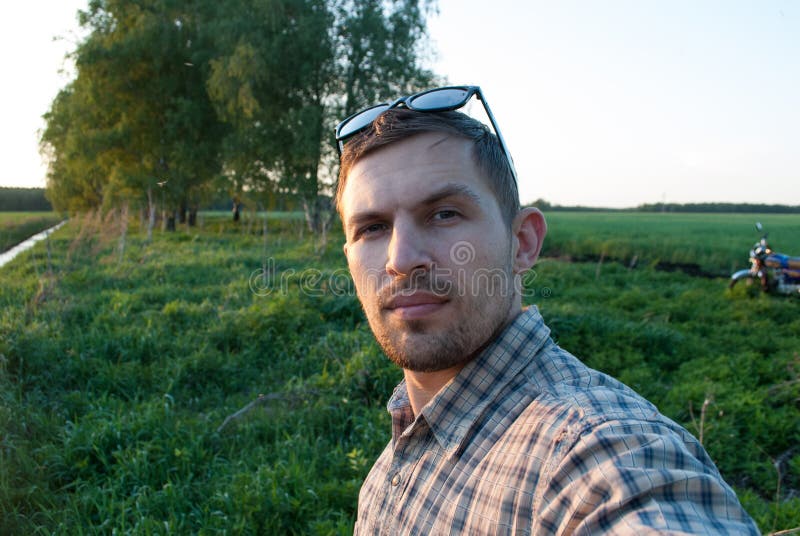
column 445, row 215
column 371, row 229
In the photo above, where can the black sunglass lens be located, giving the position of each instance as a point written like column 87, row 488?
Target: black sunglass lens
column 440, row 99
column 361, row 120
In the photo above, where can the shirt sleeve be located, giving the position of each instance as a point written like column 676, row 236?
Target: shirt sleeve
column 634, row 477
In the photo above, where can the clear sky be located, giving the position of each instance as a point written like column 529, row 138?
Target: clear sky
column 31, row 62
column 616, row 103
column 605, row 103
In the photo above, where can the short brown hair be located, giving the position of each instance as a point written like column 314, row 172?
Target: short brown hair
column 398, row 124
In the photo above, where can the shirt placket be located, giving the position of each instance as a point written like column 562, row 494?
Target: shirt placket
column 409, row 448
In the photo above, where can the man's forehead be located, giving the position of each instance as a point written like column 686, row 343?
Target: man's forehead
column 413, row 168
column 423, row 146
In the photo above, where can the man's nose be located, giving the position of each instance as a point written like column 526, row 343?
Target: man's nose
column 408, row 251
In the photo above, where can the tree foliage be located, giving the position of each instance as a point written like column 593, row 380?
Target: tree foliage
column 242, row 94
column 292, row 68
column 137, row 112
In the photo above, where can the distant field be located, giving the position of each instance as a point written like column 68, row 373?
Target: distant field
column 19, row 217
column 272, row 215
column 717, row 243
column 15, row 227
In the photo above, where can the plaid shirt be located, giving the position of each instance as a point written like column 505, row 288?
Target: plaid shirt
column 528, row 440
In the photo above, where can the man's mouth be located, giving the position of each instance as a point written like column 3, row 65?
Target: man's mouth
column 415, row 306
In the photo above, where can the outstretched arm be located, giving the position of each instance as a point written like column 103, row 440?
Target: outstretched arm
column 639, row 477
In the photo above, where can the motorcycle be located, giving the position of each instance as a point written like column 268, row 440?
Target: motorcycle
column 776, row 272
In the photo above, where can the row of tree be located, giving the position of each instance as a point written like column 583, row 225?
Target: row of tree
column 23, row 200
column 175, row 100
column 747, row 208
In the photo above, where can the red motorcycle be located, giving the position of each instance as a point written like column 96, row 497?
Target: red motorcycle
column 775, row 272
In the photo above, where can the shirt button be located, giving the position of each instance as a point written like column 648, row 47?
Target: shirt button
column 396, row 479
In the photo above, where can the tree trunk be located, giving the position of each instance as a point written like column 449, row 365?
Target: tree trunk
column 311, row 210
column 151, row 210
column 323, row 241
column 315, row 206
column 182, row 212
column 319, row 213
column 151, row 222
column 192, row 221
column 123, row 222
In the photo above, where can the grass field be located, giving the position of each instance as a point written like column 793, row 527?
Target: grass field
column 117, row 371
column 716, row 243
column 15, row 227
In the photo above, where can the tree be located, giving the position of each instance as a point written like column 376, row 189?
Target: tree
column 27, row 199
column 289, row 69
column 137, row 113
column 73, row 145
column 171, row 94
column 381, row 44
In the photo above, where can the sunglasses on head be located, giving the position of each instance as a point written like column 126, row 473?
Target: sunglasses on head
column 443, row 99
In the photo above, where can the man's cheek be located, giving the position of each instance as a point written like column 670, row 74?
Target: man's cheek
column 365, row 287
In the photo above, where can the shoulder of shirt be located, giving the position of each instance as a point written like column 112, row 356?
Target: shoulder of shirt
column 589, row 396
column 555, row 375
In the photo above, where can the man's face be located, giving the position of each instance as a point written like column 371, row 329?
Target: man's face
column 429, row 251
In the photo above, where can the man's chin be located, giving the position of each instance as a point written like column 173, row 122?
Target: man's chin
column 424, row 351
column 428, row 364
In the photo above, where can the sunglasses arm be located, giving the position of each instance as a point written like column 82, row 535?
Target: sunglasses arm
column 502, row 141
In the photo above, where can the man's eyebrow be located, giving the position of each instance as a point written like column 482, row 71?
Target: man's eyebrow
column 452, row 190
column 360, row 217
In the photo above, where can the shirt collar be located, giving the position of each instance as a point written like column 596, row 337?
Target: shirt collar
column 456, row 407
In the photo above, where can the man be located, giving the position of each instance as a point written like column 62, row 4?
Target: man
column 495, row 429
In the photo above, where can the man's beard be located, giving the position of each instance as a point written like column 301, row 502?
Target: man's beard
column 421, row 348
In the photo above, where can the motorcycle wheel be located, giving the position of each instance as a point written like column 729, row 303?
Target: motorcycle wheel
column 734, row 281
column 748, row 282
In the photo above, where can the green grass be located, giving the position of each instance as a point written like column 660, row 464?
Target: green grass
column 116, row 373
column 272, row 216
column 717, row 243
column 15, row 227
column 679, row 340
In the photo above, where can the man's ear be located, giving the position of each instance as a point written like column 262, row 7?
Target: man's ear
column 529, row 230
column 344, row 248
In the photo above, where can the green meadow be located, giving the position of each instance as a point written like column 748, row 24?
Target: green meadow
column 219, row 380
column 716, row 244
column 17, row 226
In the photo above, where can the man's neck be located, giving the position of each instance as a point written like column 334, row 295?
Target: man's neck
column 422, row 386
